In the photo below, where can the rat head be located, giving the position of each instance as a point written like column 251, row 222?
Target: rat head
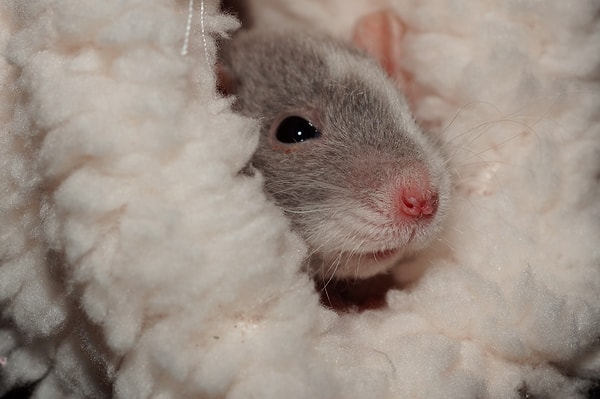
column 339, row 151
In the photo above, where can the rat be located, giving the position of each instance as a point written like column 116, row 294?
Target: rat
column 339, row 150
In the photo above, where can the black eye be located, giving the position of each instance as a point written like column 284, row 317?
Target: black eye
column 295, row 129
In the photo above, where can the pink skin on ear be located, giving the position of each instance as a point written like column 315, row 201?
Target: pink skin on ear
column 381, row 34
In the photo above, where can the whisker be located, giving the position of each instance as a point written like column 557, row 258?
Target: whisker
column 309, row 209
column 353, row 253
column 464, row 108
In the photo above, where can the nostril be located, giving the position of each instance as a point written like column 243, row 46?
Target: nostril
column 418, row 204
column 411, row 206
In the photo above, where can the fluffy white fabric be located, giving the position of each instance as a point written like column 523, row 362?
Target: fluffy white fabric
column 137, row 262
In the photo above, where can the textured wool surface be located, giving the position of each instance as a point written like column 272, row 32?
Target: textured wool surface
column 136, row 262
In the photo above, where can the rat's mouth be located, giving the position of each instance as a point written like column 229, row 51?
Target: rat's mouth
column 364, row 264
column 379, row 255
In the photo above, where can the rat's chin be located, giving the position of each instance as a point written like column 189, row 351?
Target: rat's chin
column 357, row 265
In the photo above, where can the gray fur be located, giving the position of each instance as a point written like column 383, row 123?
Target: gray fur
column 369, row 138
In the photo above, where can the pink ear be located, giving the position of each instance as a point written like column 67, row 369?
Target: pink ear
column 380, row 35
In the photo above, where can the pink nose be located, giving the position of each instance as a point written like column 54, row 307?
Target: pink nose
column 417, row 203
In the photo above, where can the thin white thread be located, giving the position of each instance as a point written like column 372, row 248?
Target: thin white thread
column 188, row 27
column 203, row 32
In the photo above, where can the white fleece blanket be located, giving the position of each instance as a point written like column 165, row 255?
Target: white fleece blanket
column 135, row 262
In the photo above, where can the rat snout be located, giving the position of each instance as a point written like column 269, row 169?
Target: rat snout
column 417, row 203
column 414, row 195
